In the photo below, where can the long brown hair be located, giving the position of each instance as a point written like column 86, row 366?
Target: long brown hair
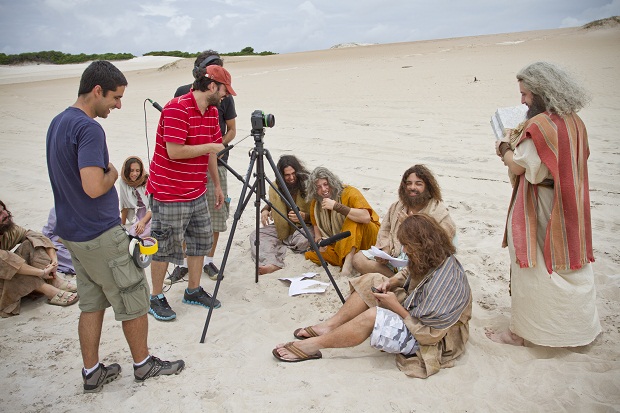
column 426, row 243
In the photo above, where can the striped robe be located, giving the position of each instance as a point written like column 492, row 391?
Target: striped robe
column 562, row 145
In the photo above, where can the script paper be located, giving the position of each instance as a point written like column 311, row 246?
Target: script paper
column 507, row 118
column 397, row 262
column 301, row 285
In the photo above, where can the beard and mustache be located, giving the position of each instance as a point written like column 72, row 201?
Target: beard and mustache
column 537, row 107
column 416, row 202
column 7, row 225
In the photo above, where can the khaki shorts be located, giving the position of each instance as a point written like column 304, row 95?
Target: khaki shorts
column 107, row 276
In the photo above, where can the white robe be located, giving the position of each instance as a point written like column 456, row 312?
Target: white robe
column 557, row 309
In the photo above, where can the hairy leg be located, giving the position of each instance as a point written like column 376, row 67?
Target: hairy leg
column 89, row 332
column 136, row 333
column 349, row 334
column 194, row 264
column 158, row 273
column 216, row 236
column 351, row 308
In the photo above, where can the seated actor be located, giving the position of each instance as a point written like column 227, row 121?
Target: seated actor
column 418, row 193
column 65, row 265
column 32, row 267
column 426, row 325
column 276, row 236
column 337, row 208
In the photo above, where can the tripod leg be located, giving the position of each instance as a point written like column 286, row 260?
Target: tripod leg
column 238, row 212
column 291, row 204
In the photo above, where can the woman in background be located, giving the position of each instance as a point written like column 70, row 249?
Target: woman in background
column 134, row 202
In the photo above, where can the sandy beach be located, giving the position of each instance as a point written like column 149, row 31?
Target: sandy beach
column 367, row 113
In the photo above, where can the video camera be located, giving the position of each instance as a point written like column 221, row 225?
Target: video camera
column 261, row 120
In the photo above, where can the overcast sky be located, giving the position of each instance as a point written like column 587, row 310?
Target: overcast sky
column 281, row 26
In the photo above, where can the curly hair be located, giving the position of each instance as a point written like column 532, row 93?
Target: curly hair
column 300, row 172
column 323, row 173
column 558, row 90
column 425, row 175
column 425, row 242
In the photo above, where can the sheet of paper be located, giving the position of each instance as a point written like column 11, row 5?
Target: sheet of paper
column 304, row 285
column 397, row 262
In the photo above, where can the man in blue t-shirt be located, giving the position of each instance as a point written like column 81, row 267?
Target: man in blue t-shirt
column 87, row 209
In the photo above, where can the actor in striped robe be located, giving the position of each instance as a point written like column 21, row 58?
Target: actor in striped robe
column 548, row 230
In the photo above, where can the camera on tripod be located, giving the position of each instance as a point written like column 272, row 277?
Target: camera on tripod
column 261, row 120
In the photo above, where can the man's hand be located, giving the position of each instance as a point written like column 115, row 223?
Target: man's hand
column 265, row 216
column 328, row 203
column 293, row 217
column 219, row 197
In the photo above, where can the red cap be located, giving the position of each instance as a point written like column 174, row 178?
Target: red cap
column 220, row 75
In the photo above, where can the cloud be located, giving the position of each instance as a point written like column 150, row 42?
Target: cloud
column 180, row 25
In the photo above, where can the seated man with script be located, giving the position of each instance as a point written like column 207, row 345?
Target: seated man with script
column 338, row 208
column 418, row 193
column 276, row 236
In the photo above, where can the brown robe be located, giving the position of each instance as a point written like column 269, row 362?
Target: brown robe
column 32, row 251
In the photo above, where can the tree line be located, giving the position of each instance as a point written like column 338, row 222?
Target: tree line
column 60, row 58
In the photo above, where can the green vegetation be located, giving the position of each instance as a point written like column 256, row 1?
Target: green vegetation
column 610, row 21
column 246, row 51
column 59, row 58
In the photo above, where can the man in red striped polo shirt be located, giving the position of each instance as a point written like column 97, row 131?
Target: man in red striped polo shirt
column 188, row 140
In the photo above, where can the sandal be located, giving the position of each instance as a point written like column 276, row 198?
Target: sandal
column 64, row 299
column 309, row 330
column 301, row 356
column 66, row 285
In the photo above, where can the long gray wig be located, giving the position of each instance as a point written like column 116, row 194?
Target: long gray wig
column 558, row 90
column 322, row 173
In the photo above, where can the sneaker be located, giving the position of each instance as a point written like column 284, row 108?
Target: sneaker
column 177, row 275
column 102, row 375
column 156, row 367
column 161, row 310
column 201, row 297
column 211, row 270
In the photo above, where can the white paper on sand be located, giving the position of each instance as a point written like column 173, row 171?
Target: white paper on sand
column 300, row 285
column 397, row 262
column 507, row 118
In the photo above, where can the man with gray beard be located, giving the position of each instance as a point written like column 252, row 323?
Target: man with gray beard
column 418, row 193
column 548, row 229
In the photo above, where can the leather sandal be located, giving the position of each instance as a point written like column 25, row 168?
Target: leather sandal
column 64, row 299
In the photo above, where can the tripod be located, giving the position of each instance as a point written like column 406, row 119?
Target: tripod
column 257, row 155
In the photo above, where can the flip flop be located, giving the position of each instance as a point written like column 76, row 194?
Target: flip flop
column 64, row 299
column 296, row 351
column 309, row 330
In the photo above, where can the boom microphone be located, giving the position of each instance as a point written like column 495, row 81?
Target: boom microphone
column 155, row 105
column 334, row 238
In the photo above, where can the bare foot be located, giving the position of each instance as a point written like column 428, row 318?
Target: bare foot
column 505, row 337
column 268, row 269
column 347, row 266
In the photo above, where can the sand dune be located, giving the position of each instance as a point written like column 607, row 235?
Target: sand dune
column 367, row 113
